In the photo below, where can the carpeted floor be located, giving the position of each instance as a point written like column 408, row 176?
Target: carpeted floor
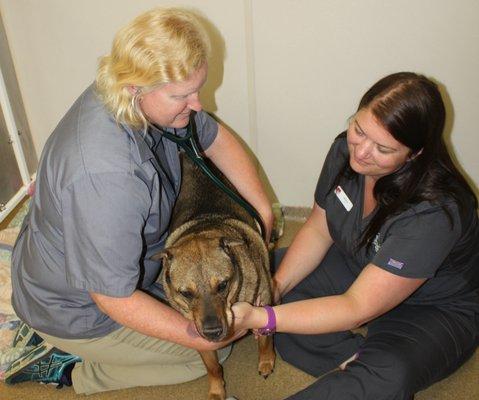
column 242, row 379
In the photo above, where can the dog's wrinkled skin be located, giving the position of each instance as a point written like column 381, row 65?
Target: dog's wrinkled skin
column 213, row 258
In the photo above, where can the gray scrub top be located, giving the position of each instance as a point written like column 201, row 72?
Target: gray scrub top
column 417, row 243
column 102, row 206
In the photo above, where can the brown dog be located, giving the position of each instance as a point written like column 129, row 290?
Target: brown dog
column 213, row 258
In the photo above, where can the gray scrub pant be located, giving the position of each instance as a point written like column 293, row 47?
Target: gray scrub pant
column 405, row 350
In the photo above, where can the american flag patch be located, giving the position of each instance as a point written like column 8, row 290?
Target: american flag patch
column 395, row 263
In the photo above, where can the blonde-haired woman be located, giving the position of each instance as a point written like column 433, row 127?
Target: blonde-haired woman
column 107, row 181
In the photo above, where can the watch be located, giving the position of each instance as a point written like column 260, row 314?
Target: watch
column 270, row 326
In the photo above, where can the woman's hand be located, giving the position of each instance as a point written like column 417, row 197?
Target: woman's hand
column 206, row 345
column 236, row 335
column 276, row 292
column 268, row 221
column 305, row 253
column 247, row 316
column 241, row 312
column 151, row 321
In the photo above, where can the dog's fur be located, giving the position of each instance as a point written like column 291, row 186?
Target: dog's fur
column 213, row 258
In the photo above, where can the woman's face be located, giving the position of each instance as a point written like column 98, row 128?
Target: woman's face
column 373, row 151
column 170, row 104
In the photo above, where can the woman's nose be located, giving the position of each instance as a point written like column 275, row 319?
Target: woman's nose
column 363, row 149
column 194, row 102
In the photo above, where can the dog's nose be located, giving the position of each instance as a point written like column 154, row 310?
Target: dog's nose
column 212, row 328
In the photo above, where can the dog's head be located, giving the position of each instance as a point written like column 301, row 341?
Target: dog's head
column 201, row 279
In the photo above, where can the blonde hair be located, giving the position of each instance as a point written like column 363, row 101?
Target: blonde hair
column 160, row 46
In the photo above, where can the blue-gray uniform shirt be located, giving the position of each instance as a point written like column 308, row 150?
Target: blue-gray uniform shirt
column 102, row 206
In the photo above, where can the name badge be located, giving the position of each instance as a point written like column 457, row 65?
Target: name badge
column 343, row 198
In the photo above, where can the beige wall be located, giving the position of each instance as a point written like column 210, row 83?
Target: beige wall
column 291, row 74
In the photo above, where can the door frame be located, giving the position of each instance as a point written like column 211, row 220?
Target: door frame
column 5, row 209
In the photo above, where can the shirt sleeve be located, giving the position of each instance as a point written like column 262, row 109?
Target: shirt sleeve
column 331, row 167
column 417, row 244
column 103, row 219
column 207, row 129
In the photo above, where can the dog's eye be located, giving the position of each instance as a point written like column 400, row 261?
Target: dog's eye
column 186, row 294
column 222, row 286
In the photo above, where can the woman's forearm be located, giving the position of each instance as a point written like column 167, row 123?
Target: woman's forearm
column 305, row 253
column 150, row 317
column 313, row 316
column 373, row 293
column 233, row 161
column 327, row 314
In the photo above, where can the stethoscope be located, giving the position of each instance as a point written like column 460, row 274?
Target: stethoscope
column 189, row 146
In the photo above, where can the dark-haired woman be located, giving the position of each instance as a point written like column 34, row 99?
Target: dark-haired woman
column 392, row 242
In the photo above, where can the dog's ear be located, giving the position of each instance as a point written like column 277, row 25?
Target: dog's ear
column 166, row 275
column 163, row 255
column 227, row 244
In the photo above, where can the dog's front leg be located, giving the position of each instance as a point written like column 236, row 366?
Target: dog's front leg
column 215, row 375
column 266, row 356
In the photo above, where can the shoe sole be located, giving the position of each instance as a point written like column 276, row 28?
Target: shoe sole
column 25, row 337
column 17, row 366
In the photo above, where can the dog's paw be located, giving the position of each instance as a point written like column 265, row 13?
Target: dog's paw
column 265, row 368
column 216, row 396
column 219, row 394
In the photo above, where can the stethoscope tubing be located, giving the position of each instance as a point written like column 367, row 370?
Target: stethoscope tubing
column 188, row 144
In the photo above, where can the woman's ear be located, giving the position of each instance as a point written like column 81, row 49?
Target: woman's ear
column 414, row 155
column 134, row 90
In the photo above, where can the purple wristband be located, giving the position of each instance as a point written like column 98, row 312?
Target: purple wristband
column 270, row 327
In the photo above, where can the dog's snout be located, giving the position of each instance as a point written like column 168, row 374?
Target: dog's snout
column 212, row 328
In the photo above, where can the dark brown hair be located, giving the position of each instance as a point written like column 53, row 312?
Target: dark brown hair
column 410, row 107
